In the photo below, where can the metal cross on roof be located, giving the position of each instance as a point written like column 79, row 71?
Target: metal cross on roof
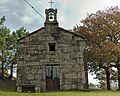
column 51, row 3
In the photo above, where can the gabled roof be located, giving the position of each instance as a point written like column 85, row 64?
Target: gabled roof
column 31, row 33
column 71, row 32
column 59, row 28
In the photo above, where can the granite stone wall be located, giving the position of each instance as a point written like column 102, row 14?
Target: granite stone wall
column 33, row 54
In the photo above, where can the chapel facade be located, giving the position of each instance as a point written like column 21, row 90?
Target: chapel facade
column 51, row 59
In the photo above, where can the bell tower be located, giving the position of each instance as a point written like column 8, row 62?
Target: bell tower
column 51, row 16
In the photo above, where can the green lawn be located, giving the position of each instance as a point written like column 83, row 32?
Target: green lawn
column 75, row 93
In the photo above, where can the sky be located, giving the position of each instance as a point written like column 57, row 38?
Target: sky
column 70, row 12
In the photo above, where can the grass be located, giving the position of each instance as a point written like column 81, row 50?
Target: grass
column 7, row 85
column 7, row 88
column 72, row 93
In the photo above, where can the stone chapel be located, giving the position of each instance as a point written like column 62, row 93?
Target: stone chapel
column 51, row 59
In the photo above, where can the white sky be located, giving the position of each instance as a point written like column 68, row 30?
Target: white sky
column 70, row 12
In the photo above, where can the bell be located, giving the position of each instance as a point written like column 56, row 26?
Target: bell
column 51, row 17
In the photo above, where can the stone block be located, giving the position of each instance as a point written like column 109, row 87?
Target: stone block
column 74, row 74
column 30, row 77
column 19, row 89
column 68, row 75
column 33, row 71
column 80, row 87
column 66, row 87
column 38, row 77
column 39, row 71
column 37, row 89
column 74, row 87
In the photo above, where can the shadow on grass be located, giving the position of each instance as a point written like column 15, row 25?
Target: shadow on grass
column 7, row 85
column 104, row 90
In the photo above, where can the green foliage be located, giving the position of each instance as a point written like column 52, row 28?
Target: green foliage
column 4, row 44
column 103, row 39
column 8, row 45
column 15, row 36
column 2, row 20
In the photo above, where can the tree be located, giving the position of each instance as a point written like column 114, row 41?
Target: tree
column 2, row 20
column 102, row 31
column 4, row 45
column 15, row 36
column 8, row 46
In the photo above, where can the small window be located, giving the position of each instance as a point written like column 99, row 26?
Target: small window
column 51, row 46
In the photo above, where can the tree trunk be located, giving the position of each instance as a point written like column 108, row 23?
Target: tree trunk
column 118, row 68
column 108, row 78
column 11, row 71
column 2, row 74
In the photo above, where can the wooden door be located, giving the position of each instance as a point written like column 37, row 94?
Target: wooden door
column 52, row 78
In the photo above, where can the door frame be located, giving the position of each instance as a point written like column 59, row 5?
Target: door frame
column 52, row 65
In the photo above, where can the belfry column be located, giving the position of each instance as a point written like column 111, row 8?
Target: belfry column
column 51, row 16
